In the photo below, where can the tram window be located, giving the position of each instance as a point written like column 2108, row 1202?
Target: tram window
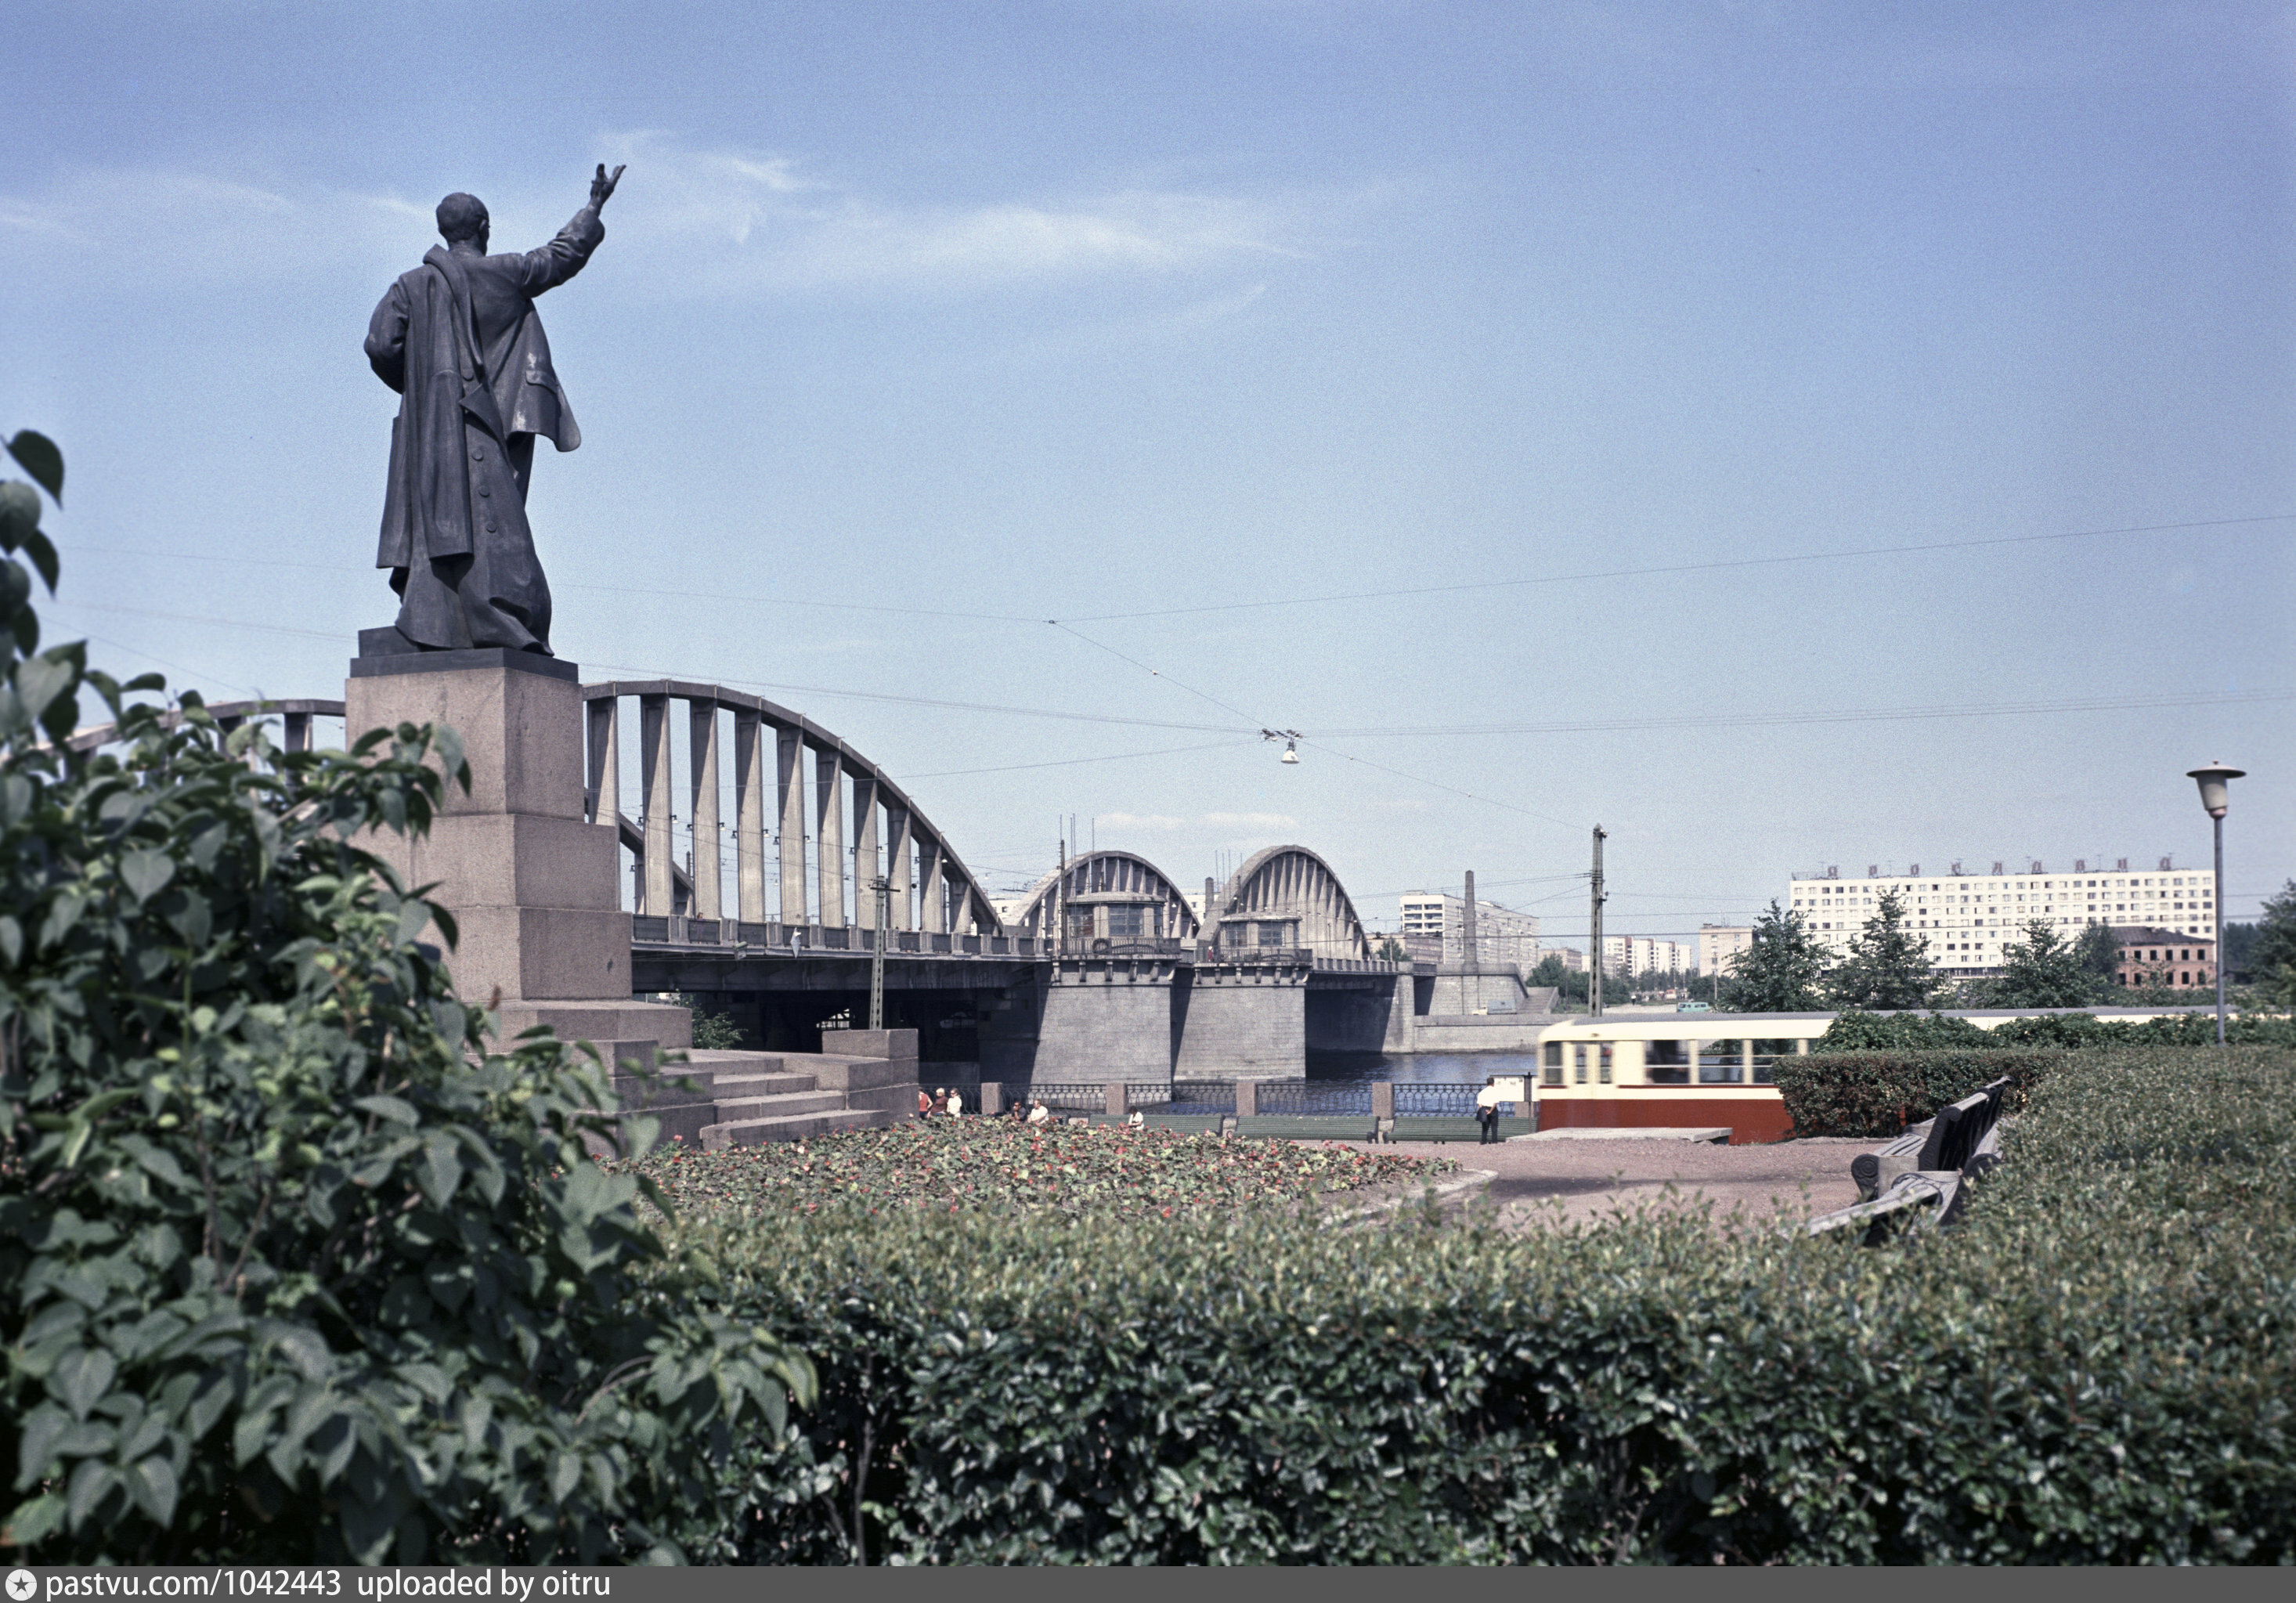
column 1605, row 1070
column 1667, row 1061
column 1720, row 1063
column 1578, row 1065
column 1766, row 1053
column 1553, row 1062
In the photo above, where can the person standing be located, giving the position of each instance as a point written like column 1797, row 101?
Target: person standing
column 1486, row 1111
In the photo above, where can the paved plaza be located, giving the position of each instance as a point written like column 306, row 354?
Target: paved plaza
column 1542, row 1182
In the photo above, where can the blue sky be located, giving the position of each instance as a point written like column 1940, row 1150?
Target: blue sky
column 1172, row 321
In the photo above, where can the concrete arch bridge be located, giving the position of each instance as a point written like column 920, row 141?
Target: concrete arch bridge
column 807, row 867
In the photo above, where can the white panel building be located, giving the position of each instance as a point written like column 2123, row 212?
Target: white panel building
column 1625, row 955
column 1965, row 919
column 1502, row 934
column 1719, row 944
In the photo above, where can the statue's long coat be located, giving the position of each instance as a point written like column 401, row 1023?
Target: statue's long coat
column 459, row 339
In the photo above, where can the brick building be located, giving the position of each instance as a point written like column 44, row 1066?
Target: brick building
column 2157, row 957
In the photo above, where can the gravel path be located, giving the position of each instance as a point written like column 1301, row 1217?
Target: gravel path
column 1546, row 1183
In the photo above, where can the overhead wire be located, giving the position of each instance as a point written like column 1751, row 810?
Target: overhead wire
column 1715, row 566
column 1674, row 568
column 2124, row 704
column 919, row 701
column 1151, row 672
column 1015, row 768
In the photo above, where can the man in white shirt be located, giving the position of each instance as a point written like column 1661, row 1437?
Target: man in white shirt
column 1486, row 1111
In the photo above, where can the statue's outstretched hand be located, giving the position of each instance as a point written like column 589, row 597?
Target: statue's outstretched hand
column 601, row 187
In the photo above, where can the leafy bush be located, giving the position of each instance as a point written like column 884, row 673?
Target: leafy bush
column 712, row 1032
column 1006, row 1162
column 291, row 1266
column 1879, row 1094
column 2097, row 1368
column 2184, row 1030
column 1856, row 1032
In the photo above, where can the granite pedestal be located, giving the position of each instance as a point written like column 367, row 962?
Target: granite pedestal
column 534, row 887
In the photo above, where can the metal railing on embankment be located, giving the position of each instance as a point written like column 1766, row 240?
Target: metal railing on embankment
column 1253, row 1098
column 1930, row 1166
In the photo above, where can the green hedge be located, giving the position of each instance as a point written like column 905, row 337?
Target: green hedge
column 1855, row 1031
column 2097, row 1368
column 2184, row 1030
column 1879, row 1094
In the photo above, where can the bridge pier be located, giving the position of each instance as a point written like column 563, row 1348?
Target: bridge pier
column 1106, row 1020
column 1243, row 1020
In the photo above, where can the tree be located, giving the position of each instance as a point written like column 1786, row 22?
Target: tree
column 2046, row 970
column 1781, row 971
column 1571, row 984
column 2272, row 958
column 2100, row 958
column 1853, row 1031
column 1887, row 967
column 296, row 1264
column 1390, row 951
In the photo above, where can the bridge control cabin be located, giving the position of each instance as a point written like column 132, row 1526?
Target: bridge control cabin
column 1681, row 1070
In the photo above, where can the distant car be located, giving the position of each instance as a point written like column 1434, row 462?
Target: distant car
column 1693, row 1007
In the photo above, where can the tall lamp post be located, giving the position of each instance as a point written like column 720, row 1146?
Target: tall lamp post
column 2213, row 782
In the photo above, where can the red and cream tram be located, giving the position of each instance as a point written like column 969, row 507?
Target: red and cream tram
column 1681, row 1070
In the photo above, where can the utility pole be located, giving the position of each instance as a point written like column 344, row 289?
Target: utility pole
column 1060, row 897
column 1595, row 965
column 884, row 887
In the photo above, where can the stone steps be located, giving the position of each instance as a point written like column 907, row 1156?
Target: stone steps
column 742, row 1098
column 734, row 1088
column 793, row 1126
column 733, row 1110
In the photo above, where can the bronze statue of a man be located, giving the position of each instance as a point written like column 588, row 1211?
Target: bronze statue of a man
column 458, row 339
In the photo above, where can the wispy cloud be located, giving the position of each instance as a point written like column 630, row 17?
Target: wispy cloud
column 764, row 220
column 191, row 226
column 1250, row 820
column 703, row 221
column 1131, row 820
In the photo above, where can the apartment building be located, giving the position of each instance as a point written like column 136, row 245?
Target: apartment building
column 1719, row 943
column 1625, row 955
column 1965, row 919
column 1502, row 934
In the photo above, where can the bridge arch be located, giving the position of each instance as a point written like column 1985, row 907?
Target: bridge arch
column 1121, row 876
column 796, row 786
column 1291, row 886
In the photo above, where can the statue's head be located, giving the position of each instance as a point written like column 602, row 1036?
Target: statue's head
column 462, row 216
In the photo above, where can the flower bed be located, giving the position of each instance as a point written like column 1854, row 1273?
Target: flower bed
column 2098, row 1365
column 1068, row 1168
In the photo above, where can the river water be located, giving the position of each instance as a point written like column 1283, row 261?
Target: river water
column 1362, row 1068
